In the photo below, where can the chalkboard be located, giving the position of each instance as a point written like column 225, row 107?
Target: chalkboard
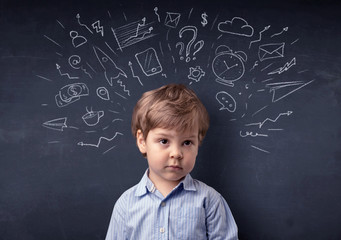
column 268, row 73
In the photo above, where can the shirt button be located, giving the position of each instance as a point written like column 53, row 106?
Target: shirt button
column 162, row 230
column 163, row 204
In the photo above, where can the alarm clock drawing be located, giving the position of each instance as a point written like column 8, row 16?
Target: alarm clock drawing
column 228, row 66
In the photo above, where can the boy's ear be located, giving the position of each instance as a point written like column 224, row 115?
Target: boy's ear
column 140, row 141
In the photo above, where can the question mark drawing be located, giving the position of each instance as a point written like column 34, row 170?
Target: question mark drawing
column 201, row 44
column 182, row 46
column 190, row 43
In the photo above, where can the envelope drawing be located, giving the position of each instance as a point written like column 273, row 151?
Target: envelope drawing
column 272, row 50
column 172, row 19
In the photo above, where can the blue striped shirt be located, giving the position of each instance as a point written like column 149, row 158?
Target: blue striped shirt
column 192, row 210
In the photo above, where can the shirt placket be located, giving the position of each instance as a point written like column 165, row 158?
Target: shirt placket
column 163, row 220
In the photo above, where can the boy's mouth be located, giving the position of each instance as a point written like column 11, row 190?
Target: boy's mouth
column 174, row 167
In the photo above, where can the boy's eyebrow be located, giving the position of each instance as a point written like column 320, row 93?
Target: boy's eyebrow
column 170, row 135
column 162, row 135
column 192, row 136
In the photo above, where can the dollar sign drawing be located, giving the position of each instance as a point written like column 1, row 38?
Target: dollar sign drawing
column 73, row 91
column 204, row 19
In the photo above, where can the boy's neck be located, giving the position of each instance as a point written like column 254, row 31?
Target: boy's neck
column 163, row 186
column 165, row 189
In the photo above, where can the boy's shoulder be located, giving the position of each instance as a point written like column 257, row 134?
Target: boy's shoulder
column 128, row 193
column 137, row 190
column 204, row 188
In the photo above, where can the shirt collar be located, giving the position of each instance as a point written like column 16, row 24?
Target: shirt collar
column 188, row 183
column 146, row 185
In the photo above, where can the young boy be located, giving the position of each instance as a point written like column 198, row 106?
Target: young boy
column 169, row 124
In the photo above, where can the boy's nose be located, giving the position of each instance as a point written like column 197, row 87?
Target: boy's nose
column 176, row 153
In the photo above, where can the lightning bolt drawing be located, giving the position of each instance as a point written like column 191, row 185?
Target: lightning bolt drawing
column 285, row 67
column 97, row 26
column 123, row 86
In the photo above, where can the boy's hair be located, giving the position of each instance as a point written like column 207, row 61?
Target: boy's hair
column 172, row 106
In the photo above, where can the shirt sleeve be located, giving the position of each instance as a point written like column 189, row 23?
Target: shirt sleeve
column 219, row 220
column 116, row 228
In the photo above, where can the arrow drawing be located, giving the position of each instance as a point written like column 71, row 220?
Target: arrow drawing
column 132, row 71
column 99, row 141
column 64, row 74
column 260, row 124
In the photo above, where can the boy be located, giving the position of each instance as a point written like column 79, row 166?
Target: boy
column 169, row 124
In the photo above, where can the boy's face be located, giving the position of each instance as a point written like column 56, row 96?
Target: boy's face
column 171, row 154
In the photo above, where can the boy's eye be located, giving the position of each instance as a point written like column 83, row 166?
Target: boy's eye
column 163, row 141
column 187, row 143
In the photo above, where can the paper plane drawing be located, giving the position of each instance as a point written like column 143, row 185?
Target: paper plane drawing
column 281, row 90
column 56, row 124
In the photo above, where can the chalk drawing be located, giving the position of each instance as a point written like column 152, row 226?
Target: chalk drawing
column 103, row 93
column 98, row 27
column 64, row 74
column 195, row 74
column 271, row 51
column 286, row 67
column 71, row 93
column 283, row 30
column 172, row 19
column 260, row 124
column 56, row 124
column 200, row 43
column 97, row 145
column 111, row 71
column 91, row 118
column 77, row 40
column 260, row 36
column 237, row 26
column 204, row 17
column 133, row 33
column 149, row 62
column 227, row 101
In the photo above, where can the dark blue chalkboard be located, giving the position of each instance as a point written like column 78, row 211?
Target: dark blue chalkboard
column 268, row 73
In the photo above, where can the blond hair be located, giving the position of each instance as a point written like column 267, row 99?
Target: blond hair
column 173, row 106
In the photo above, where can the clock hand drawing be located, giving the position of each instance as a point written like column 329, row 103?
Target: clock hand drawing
column 228, row 68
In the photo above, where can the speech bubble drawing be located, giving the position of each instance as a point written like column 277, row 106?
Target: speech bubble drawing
column 227, row 101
